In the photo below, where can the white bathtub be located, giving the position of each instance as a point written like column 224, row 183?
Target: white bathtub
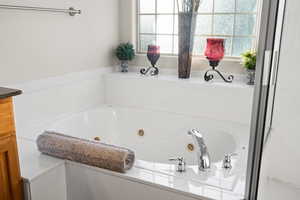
column 164, row 106
column 165, row 137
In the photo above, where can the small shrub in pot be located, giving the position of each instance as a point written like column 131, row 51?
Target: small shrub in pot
column 249, row 63
column 125, row 52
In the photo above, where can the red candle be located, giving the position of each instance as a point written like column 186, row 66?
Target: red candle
column 153, row 54
column 215, row 49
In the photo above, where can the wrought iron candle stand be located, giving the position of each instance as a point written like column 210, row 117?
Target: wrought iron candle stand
column 153, row 55
column 152, row 71
column 208, row 77
column 214, row 52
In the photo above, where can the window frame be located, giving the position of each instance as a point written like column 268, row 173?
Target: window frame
column 254, row 36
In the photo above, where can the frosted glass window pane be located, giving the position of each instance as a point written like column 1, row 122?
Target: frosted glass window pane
column 175, row 51
column 146, row 40
column 246, row 5
column 165, row 24
column 223, row 24
column 224, row 5
column 147, row 6
column 245, row 24
column 165, row 43
column 228, row 41
column 147, row 23
column 165, row 6
column 204, row 24
column 176, row 25
column 241, row 45
column 206, row 6
column 199, row 45
column 211, row 22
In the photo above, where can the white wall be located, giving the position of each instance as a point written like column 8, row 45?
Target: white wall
column 283, row 151
column 127, row 20
column 36, row 45
column 128, row 34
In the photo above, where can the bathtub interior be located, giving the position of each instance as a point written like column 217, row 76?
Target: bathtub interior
column 165, row 136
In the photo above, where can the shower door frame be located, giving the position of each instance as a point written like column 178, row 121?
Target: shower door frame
column 267, row 63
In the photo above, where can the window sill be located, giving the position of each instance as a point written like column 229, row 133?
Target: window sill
column 228, row 64
column 168, row 76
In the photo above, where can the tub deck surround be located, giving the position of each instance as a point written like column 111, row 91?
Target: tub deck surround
column 169, row 77
column 121, row 126
column 8, row 92
column 34, row 166
column 39, row 172
column 195, row 74
column 187, row 189
column 195, row 97
column 114, row 107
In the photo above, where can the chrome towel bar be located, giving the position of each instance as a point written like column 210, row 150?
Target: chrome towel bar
column 71, row 11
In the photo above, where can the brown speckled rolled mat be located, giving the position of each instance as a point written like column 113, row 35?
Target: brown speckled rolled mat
column 84, row 151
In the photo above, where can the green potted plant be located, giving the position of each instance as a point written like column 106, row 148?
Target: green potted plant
column 249, row 63
column 125, row 52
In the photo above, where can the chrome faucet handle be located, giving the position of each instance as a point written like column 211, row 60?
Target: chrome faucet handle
column 195, row 132
column 181, row 163
column 227, row 160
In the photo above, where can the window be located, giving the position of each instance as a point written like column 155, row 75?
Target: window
column 233, row 20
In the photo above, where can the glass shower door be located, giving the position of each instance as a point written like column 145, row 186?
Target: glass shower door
column 265, row 89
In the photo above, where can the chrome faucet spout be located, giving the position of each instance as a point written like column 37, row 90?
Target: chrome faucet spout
column 202, row 150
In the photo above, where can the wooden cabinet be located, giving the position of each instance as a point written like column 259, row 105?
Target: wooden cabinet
column 6, row 117
column 10, row 179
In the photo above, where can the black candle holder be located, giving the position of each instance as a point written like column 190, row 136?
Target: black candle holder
column 153, row 55
column 153, row 71
column 208, row 77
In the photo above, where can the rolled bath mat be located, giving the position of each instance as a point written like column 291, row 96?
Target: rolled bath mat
column 84, row 151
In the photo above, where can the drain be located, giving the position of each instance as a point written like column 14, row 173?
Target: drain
column 97, row 139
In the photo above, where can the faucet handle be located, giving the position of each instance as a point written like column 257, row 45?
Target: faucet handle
column 230, row 155
column 180, row 159
column 181, row 163
column 195, row 132
column 227, row 160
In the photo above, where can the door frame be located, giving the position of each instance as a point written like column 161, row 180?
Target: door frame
column 266, row 64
